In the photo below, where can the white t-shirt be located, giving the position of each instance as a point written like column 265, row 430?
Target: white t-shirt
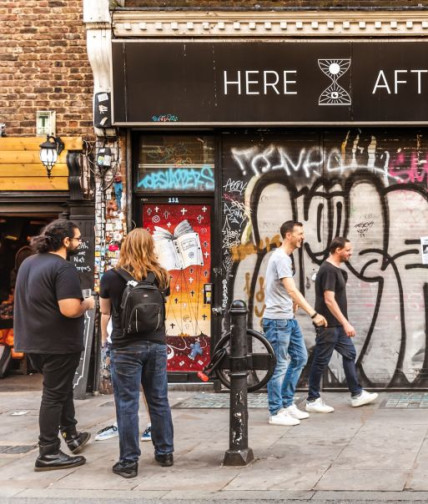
column 279, row 304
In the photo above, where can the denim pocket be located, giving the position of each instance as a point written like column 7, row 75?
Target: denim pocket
column 274, row 324
column 282, row 324
column 326, row 334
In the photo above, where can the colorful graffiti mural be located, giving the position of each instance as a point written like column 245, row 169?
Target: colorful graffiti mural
column 370, row 186
column 182, row 234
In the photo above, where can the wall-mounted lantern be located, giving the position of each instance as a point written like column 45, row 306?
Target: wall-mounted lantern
column 49, row 152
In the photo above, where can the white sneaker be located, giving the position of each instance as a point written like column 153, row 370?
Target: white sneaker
column 294, row 411
column 107, row 433
column 283, row 418
column 318, row 406
column 364, row 398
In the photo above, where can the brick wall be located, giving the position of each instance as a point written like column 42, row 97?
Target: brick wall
column 269, row 4
column 44, row 66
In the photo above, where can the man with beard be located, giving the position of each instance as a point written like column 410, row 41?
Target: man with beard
column 330, row 301
column 48, row 327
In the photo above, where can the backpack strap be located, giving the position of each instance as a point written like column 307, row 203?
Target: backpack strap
column 150, row 278
column 128, row 277
column 124, row 275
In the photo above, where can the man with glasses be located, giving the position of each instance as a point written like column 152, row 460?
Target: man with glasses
column 282, row 329
column 48, row 327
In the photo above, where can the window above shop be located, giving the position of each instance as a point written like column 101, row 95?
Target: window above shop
column 175, row 163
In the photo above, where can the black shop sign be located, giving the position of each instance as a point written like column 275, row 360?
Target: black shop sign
column 269, row 82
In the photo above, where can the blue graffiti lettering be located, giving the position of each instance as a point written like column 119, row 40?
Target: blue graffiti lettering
column 179, row 178
column 164, row 118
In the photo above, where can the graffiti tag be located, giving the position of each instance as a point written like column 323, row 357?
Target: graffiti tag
column 179, row 178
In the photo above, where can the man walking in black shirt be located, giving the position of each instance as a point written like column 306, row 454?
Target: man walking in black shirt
column 48, row 327
column 330, row 301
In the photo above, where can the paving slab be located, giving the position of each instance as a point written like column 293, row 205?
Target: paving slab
column 255, row 495
column 84, row 495
column 213, row 480
column 362, row 479
column 368, row 496
column 393, row 448
column 283, row 478
column 399, row 416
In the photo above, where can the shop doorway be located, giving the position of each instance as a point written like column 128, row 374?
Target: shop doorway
column 182, row 231
column 15, row 233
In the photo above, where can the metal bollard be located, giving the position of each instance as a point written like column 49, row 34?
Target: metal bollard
column 238, row 453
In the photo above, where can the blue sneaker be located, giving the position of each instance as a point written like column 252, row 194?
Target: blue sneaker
column 108, row 432
column 147, row 434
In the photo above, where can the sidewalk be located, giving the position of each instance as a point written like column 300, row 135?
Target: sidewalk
column 373, row 453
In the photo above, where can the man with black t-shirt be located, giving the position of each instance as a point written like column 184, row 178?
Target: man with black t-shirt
column 48, row 327
column 330, row 301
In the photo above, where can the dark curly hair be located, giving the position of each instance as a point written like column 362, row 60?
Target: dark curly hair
column 52, row 236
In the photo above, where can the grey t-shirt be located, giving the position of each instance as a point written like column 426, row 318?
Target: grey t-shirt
column 279, row 305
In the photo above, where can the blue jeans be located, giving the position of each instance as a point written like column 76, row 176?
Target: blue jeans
column 327, row 340
column 286, row 339
column 141, row 364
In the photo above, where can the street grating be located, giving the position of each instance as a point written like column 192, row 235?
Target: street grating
column 217, row 401
column 17, row 449
column 405, row 400
column 396, row 400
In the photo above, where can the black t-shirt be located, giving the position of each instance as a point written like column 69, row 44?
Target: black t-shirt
column 39, row 326
column 331, row 278
column 111, row 287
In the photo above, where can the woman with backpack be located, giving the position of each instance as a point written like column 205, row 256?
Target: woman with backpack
column 133, row 294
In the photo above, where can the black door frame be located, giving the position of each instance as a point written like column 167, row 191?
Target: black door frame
column 214, row 200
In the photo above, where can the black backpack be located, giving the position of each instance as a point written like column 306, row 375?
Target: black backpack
column 142, row 309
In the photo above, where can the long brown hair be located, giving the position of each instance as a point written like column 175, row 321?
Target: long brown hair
column 137, row 257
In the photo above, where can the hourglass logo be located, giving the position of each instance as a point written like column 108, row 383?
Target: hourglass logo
column 334, row 94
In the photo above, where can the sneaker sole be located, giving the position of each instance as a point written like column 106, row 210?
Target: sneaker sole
column 321, row 412
column 107, row 433
column 364, row 403
column 165, row 464
column 55, row 468
column 107, row 437
column 284, row 425
column 125, row 475
column 146, row 439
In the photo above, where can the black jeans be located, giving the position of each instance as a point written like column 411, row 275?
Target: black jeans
column 329, row 339
column 57, row 407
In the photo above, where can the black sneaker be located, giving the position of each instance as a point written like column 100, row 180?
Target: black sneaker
column 147, row 434
column 77, row 441
column 165, row 459
column 126, row 469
